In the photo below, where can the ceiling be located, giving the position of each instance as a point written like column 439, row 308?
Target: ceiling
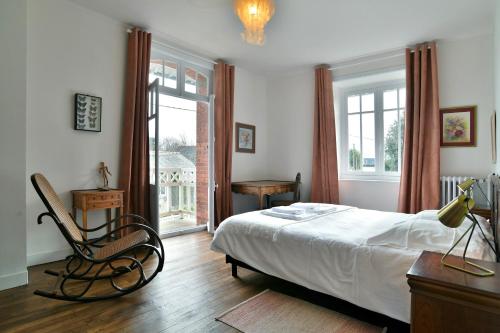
column 302, row 32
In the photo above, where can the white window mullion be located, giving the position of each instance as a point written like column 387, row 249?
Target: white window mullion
column 360, row 114
column 379, row 131
column 344, row 132
column 181, row 79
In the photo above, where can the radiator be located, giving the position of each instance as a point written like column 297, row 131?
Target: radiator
column 450, row 191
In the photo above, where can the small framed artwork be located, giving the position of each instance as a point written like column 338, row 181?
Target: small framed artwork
column 458, row 126
column 245, row 138
column 88, row 111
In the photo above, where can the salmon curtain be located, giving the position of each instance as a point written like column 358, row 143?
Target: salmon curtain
column 134, row 164
column 224, row 102
column 325, row 182
column 419, row 186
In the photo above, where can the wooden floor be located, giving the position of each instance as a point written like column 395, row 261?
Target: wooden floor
column 195, row 286
column 167, row 226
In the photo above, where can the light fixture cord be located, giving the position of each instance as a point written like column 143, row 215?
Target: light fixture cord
column 475, row 222
column 482, row 192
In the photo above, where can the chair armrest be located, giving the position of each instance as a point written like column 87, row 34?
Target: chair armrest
column 134, row 216
column 148, row 229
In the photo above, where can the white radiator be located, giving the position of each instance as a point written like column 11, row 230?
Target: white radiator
column 450, row 191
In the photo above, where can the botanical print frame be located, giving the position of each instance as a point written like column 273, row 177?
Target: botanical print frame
column 245, row 138
column 88, row 112
column 458, row 126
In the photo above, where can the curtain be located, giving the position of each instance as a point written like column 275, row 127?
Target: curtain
column 325, row 183
column 419, row 186
column 224, row 102
column 134, row 164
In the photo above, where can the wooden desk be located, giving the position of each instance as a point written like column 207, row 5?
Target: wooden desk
column 94, row 200
column 447, row 300
column 261, row 188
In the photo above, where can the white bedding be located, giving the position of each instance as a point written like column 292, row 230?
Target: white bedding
column 358, row 255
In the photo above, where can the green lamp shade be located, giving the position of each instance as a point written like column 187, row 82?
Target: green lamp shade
column 453, row 214
column 466, row 184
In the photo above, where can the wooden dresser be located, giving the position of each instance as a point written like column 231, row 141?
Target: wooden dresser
column 87, row 200
column 447, row 300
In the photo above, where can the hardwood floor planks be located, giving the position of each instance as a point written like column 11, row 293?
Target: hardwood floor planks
column 195, row 286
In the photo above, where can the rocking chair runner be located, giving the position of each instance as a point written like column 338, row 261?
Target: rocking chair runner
column 90, row 259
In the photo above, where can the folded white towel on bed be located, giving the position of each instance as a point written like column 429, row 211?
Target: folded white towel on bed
column 312, row 207
column 288, row 210
column 294, row 217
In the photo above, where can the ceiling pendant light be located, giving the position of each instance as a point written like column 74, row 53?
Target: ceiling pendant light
column 254, row 14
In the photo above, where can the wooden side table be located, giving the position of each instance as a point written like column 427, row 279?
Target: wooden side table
column 446, row 300
column 87, row 200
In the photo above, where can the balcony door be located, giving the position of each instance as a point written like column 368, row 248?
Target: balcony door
column 180, row 145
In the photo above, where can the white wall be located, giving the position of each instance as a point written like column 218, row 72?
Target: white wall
column 290, row 106
column 466, row 77
column 71, row 50
column 13, row 38
column 250, row 98
column 496, row 57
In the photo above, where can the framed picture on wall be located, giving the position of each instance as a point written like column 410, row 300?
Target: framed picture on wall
column 458, row 126
column 245, row 138
column 88, row 111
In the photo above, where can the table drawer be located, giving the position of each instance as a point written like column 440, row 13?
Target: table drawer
column 103, row 197
column 104, row 204
column 278, row 189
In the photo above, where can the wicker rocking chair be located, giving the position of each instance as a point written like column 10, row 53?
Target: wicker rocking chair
column 92, row 260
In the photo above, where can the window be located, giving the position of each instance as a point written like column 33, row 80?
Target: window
column 179, row 78
column 196, row 82
column 372, row 121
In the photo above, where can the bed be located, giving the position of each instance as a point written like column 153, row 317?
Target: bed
column 357, row 255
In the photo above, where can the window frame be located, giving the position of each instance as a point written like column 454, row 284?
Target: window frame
column 378, row 90
column 182, row 65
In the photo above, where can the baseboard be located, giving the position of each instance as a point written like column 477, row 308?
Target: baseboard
column 13, row 280
column 46, row 257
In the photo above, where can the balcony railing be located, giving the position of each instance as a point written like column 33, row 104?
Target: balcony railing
column 177, row 196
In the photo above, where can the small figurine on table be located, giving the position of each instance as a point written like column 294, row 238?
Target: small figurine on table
column 104, row 172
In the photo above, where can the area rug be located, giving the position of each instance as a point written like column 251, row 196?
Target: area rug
column 271, row 312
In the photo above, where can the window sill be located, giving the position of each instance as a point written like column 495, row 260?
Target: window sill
column 370, row 178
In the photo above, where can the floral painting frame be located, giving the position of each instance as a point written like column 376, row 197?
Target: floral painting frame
column 458, row 126
column 245, row 138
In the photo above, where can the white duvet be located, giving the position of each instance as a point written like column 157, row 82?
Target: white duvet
column 358, row 255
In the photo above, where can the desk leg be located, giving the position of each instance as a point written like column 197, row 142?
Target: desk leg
column 119, row 222
column 108, row 219
column 84, row 222
column 262, row 201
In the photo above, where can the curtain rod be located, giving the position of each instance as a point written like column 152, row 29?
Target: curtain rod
column 371, row 58
column 180, row 50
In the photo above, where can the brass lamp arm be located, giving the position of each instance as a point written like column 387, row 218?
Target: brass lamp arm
column 486, row 271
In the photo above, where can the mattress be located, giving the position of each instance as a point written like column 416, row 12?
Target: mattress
column 358, row 255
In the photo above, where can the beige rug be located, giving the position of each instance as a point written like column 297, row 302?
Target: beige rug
column 271, row 312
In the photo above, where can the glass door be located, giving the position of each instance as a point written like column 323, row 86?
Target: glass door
column 181, row 154
column 153, row 129
column 183, row 159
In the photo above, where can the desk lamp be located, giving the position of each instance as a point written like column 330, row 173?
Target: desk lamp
column 452, row 215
